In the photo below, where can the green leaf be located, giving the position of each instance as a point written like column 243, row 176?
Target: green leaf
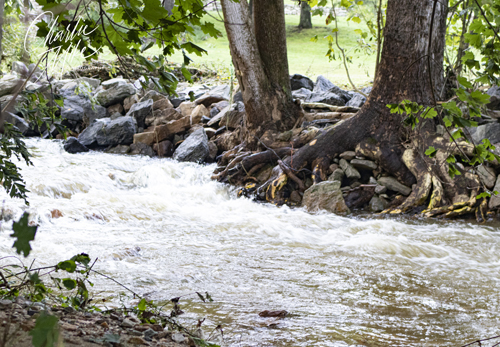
column 69, row 283
column 46, row 332
column 23, row 233
column 356, row 20
column 463, row 81
column 82, row 258
column 483, row 195
column 431, row 152
column 345, row 3
column 67, row 265
column 142, row 305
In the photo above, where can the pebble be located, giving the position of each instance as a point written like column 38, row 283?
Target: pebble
column 136, row 340
column 178, row 337
column 127, row 323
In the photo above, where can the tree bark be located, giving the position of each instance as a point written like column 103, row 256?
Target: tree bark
column 258, row 51
column 403, row 73
column 2, row 7
column 305, row 16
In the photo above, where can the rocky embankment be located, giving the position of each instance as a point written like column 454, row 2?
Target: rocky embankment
column 202, row 124
column 113, row 328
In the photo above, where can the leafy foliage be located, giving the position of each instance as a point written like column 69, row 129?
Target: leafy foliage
column 24, row 234
column 46, row 332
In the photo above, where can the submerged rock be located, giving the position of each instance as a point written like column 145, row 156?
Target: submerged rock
column 72, row 145
column 194, row 149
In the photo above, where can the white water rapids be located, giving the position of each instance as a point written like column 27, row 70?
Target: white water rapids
column 345, row 281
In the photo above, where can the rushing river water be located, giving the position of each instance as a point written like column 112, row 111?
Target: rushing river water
column 345, row 281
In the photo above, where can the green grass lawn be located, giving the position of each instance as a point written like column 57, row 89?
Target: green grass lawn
column 304, row 56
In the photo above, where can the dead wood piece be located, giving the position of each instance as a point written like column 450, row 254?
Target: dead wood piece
column 268, row 156
column 320, row 169
column 292, row 176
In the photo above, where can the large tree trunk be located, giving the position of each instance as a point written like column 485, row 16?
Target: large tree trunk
column 375, row 132
column 258, row 51
column 2, row 7
column 305, row 16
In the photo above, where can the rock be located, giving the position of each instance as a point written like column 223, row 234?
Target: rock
column 92, row 82
column 18, row 122
column 116, row 115
column 194, row 148
column 337, row 175
column 377, row 204
column 162, row 104
column 20, row 69
column 120, row 149
column 107, row 132
column 216, row 94
column 487, row 175
column 219, row 116
column 186, row 108
column 363, row 164
column 380, row 189
column 197, row 113
column 238, row 97
column 357, row 100
column 323, row 85
column 349, row 155
column 131, row 100
column 178, row 337
column 162, row 117
column 234, row 117
column 325, row 196
column 495, row 199
column 220, row 130
column 489, row 131
column 113, row 82
column 140, row 111
column 127, row 323
column 214, row 111
column 164, row 149
column 359, row 197
column 114, row 93
column 149, row 334
column 136, row 340
column 494, row 93
column 212, row 152
column 301, row 93
column 142, row 149
column 9, row 83
column 392, row 184
column 298, row 81
column 349, row 170
column 73, row 108
column 72, row 145
column 92, row 113
column 153, row 95
column 115, row 108
column 326, row 98
column 162, row 132
column 295, row 197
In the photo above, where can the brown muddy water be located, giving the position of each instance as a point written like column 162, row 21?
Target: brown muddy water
column 361, row 281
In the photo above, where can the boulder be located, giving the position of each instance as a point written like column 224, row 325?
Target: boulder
column 153, row 95
column 20, row 69
column 363, row 164
column 215, row 120
column 164, row 149
column 487, row 175
column 348, row 155
column 323, row 85
column 214, row 111
column 349, row 170
column 233, row 118
column 113, row 82
column 140, row 111
column 495, row 199
column 212, row 152
column 357, row 100
column 199, row 112
column 120, row 149
column 91, row 113
column 162, row 104
column 238, row 97
column 9, row 83
column 186, row 108
column 194, row 149
column 114, row 93
column 214, row 95
column 337, row 175
column 325, row 196
column 162, row 117
column 489, row 131
column 94, row 83
column 392, row 184
column 106, row 132
column 115, row 108
column 142, row 149
column 73, row 108
column 301, row 93
column 298, row 81
column 72, row 145
column 131, row 100
column 18, row 122
column 494, row 93
column 377, row 204
column 164, row 131
column 326, row 98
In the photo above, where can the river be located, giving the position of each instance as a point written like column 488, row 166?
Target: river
column 345, row 281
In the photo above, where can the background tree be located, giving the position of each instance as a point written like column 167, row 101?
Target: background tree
column 305, row 15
